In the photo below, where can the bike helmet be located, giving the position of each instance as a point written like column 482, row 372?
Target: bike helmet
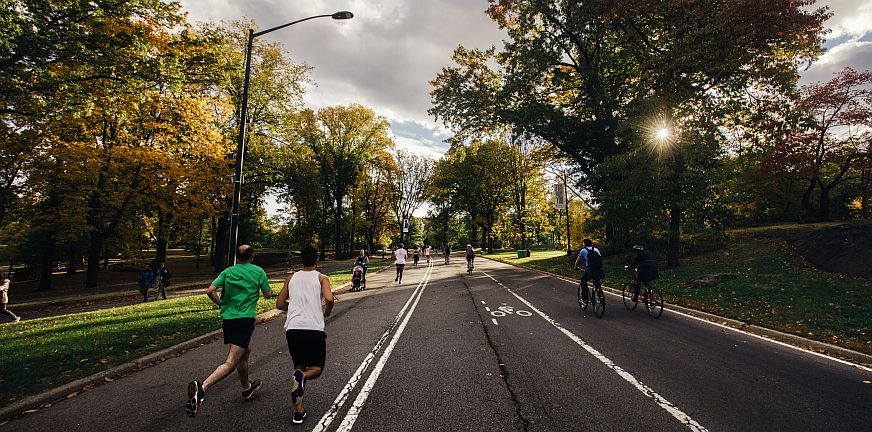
column 638, row 248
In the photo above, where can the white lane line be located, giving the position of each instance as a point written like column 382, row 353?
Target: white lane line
column 357, row 405
column 331, row 413
column 482, row 302
column 746, row 333
column 495, row 321
column 487, row 308
column 645, row 390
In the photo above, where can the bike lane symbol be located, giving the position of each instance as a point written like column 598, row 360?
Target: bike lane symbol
column 508, row 310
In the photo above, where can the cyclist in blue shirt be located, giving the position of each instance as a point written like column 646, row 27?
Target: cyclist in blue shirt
column 593, row 266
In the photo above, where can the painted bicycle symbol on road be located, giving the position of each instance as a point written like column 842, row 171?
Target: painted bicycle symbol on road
column 508, row 310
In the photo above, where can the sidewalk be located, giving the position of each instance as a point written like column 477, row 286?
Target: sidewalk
column 118, row 295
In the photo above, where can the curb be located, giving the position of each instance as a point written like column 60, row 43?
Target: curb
column 861, row 359
column 69, row 390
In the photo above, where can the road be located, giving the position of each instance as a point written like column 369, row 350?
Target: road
column 438, row 353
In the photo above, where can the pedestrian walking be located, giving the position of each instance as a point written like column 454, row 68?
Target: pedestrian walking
column 240, row 286
column 164, row 274
column 146, row 277
column 400, row 254
column 415, row 257
column 427, row 252
column 301, row 297
column 5, row 294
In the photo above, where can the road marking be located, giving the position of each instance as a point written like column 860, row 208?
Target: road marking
column 354, row 410
column 746, row 333
column 328, row 417
column 482, row 302
column 495, row 321
column 645, row 390
column 487, row 308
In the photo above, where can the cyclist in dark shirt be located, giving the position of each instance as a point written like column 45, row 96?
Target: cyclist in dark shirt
column 646, row 268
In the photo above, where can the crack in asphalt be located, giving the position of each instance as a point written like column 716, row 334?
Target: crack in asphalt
column 504, row 372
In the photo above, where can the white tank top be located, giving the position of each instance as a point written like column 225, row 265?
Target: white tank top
column 304, row 302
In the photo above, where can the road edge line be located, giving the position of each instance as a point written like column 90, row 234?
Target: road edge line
column 821, row 349
column 59, row 394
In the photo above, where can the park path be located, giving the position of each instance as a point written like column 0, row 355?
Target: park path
column 498, row 349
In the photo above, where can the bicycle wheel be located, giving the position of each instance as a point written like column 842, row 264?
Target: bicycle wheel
column 654, row 303
column 581, row 302
column 599, row 302
column 627, row 294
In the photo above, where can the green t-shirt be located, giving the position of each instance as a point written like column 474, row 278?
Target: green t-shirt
column 240, row 285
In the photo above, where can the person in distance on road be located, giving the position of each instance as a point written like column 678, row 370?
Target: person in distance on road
column 593, row 265
column 363, row 261
column 146, row 277
column 646, row 268
column 427, row 252
column 400, row 254
column 301, row 297
column 415, row 257
column 470, row 255
column 240, row 286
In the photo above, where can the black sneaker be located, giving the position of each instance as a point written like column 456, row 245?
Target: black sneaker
column 195, row 398
column 298, row 385
column 298, row 417
column 252, row 386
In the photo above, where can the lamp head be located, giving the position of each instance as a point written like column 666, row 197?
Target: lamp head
column 342, row 15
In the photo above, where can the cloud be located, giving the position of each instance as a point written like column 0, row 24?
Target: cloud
column 857, row 55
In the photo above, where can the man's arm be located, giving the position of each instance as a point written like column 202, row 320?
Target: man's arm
column 265, row 288
column 282, row 299
column 327, row 294
column 213, row 294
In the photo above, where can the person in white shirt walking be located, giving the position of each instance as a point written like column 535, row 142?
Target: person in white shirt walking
column 400, row 255
column 301, row 297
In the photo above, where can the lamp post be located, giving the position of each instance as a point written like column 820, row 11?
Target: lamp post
column 243, row 119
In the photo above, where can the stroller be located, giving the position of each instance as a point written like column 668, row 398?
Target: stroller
column 358, row 278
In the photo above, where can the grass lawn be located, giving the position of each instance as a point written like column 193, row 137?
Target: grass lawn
column 773, row 288
column 40, row 354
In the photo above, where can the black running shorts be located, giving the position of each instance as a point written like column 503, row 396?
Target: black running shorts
column 307, row 347
column 238, row 331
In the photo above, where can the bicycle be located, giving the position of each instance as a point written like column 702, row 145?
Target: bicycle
column 596, row 296
column 447, row 258
column 650, row 296
column 469, row 265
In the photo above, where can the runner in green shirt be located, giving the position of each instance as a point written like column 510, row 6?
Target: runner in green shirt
column 240, row 287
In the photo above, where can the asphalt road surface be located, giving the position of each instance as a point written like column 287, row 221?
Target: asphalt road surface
column 500, row 349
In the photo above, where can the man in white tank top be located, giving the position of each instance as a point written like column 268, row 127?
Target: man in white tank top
column 400, row 255
column 301, row 297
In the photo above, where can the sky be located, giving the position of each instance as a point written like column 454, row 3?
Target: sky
column 385, row 57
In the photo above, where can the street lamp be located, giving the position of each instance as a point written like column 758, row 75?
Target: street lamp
column 243, row 119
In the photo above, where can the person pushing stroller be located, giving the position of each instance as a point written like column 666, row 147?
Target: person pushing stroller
column 358, row 272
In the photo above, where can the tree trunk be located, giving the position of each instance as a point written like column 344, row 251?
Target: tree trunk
column 162, row 230
column 337, row 229
column 47, row 264
column 222, row 237
column 212, row 229
column 95, row 247
column 864, row 198
column 674, row 247
column 823, row 213
column 806, row 198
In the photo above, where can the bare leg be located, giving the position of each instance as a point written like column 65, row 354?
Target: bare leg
column 234, row 355
column 312, row 372
column 242, row 370
column 7, row 312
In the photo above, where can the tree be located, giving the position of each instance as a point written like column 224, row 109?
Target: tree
column 410, row 180
column 345, row 140
column 586, row 75
column 828, row 138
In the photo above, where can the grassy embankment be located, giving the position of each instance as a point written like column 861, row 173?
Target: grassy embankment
column 773, row 288
column 40, row 354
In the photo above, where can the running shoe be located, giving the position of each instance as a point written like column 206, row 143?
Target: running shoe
column 298, row 417
column 298, row 385
column 196, row 394
column 252, row 386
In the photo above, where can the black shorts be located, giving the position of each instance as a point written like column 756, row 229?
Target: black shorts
column 400, row 266
column 307, row 347
column 238, row 331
